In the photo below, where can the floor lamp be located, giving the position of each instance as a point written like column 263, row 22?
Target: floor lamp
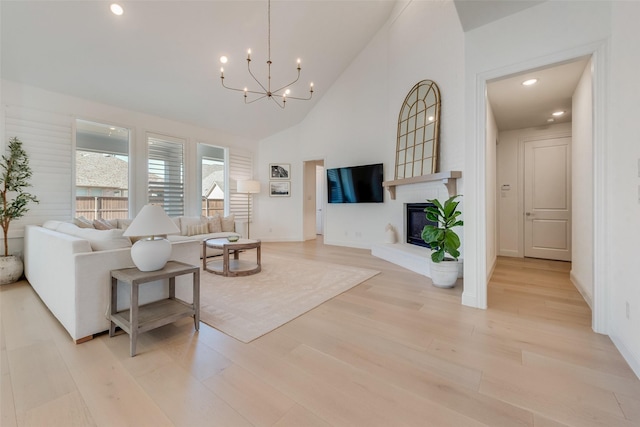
column 250, row 187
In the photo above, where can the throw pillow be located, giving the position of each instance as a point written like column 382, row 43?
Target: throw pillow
column 228, row 223
column 195, row 229
column 83, row 222
column 102, row 240
column 215, row 223
column 102, row 224
column 123, row 224
column 186, row 221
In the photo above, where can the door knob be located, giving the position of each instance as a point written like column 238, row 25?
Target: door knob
column 528, row 214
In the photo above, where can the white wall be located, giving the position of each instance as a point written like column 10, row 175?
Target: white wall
column 582, row 188
column 564, row 30
column 623, row 150
column 510, row 173
column 20, row 96
column 355, row 123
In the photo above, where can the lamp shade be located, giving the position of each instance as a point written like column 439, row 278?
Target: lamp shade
column 248, row 186
column 151, row 221
column 152, row 253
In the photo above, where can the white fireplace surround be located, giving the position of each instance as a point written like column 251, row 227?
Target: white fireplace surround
column 411, row 257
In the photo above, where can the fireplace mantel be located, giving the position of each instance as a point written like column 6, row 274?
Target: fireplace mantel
column 448, row 179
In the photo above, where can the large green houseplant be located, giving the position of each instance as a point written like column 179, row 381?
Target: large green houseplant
column 14, row 178
column 443, row 240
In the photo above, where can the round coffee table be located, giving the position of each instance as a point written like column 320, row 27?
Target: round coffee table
column 231, row 267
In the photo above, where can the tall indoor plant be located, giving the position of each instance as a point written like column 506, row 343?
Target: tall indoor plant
column 14, row 178
column 443, row 240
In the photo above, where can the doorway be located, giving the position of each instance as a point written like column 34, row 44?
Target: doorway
column 313, row 199
column 534, row 172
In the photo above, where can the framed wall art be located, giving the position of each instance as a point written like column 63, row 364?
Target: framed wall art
column 279, row 188
column 280, row 171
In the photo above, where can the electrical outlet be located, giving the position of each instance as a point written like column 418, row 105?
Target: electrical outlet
column 627, row 309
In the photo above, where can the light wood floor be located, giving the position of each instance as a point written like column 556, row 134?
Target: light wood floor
column 393, row 351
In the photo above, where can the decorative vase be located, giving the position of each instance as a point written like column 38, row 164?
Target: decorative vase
column 390, row 234
column 11, row 269
column 444, row 274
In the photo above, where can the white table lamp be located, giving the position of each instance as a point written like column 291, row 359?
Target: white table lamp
column 151, row 253
column 250, row 187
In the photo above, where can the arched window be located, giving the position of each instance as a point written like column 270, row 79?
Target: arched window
column 418, row 131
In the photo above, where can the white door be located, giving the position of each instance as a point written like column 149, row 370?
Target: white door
column 319, row 198
column 547, row 199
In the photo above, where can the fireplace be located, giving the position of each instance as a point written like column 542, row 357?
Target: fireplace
column 415, row 222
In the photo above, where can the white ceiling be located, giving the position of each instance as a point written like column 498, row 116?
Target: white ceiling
column 162, row 57
column 516, row 106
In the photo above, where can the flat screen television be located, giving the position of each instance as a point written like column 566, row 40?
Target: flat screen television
column 355, row 184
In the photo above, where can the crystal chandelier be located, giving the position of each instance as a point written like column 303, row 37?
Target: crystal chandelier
column 280, row 95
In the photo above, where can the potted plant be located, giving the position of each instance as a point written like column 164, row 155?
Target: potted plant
column 14, row 177
column 443, row 240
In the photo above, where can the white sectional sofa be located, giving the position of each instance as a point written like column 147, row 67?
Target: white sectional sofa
column 69, row 268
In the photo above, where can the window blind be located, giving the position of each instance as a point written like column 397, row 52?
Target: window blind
column 166, row 173
column 47, row 139
column 240, row 168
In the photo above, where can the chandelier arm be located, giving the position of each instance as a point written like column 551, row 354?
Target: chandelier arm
column 254, row 100
column 301, row 99
column 229, row 87
column 266, row 91
column 277, row 103
column 289, row 84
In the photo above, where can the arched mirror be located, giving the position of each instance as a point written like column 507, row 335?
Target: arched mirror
column 418, row 131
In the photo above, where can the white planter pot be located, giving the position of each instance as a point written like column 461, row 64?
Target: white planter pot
column 10, row 269
column 444, row 274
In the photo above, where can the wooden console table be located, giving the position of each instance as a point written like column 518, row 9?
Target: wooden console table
column 140, row 319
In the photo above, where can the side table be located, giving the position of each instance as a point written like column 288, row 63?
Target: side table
column 140, row 319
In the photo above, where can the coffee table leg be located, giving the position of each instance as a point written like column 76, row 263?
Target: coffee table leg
column 225, row 261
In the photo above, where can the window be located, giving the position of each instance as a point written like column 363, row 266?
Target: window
column 102, row 171
column 213, row 179
column 166, row 173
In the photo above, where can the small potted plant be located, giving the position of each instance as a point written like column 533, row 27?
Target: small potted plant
column 14, row 177
column 443, row 240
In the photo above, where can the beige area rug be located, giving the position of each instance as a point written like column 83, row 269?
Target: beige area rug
column 251, row 306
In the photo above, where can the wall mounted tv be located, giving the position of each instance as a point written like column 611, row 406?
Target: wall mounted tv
column 355, row 184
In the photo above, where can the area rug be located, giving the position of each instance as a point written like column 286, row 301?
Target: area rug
column 251, row 306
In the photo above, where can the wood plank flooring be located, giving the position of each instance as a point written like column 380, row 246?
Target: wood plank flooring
column 393, row 351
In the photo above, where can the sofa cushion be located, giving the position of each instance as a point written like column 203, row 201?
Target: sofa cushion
column 228, row 223
column 102, row 224
column 186, row 221
column 83, row 222
column 102, row 240
column 123, row 224
column 52, row 224
column 195, row 229
column 215, row 223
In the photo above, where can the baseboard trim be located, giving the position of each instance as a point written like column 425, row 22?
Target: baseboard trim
column 634, row 363
column 579, row 286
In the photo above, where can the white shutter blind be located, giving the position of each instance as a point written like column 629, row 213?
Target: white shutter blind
column 47, row 139
column 240, row 168
column 166, row 173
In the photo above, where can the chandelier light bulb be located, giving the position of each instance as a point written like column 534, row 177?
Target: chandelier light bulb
column 116, row 9
column 223, row 59
column 248, row 53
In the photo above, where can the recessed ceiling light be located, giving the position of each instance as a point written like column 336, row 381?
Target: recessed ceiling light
column 116, row 9
column 551, row 119
column 557, row 113
column 223, row 59
column 529, row 82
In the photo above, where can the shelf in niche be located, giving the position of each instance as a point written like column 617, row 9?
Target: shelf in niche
column 448, row 179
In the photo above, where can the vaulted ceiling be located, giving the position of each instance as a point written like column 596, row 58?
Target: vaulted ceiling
column 162, row 57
